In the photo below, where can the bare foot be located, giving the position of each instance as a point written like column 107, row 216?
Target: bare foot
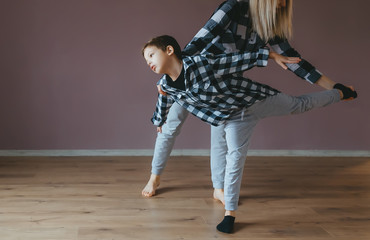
column 151, row 186
column 218, row 194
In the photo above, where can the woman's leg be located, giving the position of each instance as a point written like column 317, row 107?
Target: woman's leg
column 238, row 132
column 283, row 104
column 163, row 146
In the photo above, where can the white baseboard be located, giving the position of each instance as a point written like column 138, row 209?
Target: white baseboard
column 182, row 152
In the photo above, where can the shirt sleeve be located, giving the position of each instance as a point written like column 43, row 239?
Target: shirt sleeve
column 161, row 110
column 215, row 26
column 303, row 69
column 238, row 62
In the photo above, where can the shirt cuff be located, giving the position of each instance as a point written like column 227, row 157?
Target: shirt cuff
column 157, row 123
column 314, row 76
column 263, row 56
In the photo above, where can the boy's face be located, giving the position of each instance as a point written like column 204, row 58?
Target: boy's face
column 156, row 59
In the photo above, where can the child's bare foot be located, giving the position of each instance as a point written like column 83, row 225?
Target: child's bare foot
column 151, row 186
column 218, row 194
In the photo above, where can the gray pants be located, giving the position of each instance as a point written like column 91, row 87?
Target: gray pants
column 229, row 142
column 165, row 140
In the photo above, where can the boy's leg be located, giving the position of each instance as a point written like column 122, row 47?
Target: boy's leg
column 163, row 146
column 165, row 140
column 218, row 161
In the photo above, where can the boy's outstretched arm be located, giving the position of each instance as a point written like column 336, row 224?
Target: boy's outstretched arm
column 231, row 63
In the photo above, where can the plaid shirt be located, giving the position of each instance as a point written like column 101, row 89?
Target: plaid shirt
column 213, row 97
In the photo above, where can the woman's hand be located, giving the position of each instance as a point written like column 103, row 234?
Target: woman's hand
column 283, row 60
column 160, row 91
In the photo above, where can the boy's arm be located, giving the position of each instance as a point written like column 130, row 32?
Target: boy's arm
column 238, row 62
column 302, row 69
column 215, row 26
column 161, row 110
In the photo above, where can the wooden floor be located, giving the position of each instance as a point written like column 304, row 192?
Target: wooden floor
column 100, row 198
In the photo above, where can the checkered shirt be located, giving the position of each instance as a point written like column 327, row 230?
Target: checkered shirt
column 213, row 97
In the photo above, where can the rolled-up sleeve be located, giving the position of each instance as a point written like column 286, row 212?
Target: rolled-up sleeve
column 303, row 69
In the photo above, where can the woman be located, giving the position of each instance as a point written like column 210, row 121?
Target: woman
column 252, row 24
column 271, row 22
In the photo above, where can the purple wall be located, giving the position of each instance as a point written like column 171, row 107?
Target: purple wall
column 72, row 77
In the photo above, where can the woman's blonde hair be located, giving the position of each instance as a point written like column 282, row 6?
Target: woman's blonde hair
column 270, row 21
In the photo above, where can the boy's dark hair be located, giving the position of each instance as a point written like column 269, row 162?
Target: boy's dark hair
column 162, row 42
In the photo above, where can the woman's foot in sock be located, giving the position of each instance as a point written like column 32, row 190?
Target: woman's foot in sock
column 151, row 186
column 218, row 194
column 227, row 225
column 346, row 92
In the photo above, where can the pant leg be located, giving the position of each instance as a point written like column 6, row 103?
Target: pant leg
column 283, row 104
column 165, row 140
column 238, row 133
column 218, row 156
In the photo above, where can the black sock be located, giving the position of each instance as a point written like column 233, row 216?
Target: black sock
column 226, row 225
column 347, row 92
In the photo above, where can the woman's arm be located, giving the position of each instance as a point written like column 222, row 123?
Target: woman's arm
column 346, row 92
column 291, row 59
column 215, row 26
column 303, row 68
column 325, row 82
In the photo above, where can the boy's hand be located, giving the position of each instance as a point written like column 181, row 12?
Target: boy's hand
column 283, row 60
column 160, row 91
column 159, row 129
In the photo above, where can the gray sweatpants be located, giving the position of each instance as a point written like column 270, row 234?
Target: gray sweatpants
column 165, row 140
column 230, row 141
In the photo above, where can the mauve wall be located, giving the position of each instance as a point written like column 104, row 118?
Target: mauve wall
column 72, row 76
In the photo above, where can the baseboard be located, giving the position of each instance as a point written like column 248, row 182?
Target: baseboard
column 182, row 152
